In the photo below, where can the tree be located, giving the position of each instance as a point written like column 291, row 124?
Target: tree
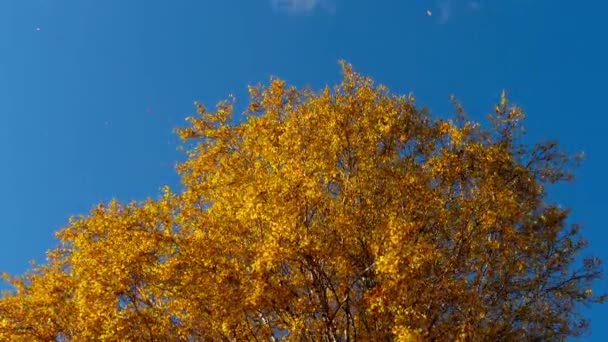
column 339, row 215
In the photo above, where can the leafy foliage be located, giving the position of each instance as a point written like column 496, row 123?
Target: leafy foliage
column 347, row 214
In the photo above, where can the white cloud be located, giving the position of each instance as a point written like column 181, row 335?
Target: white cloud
column 445, row 11
column 474, row 5
column 301, row 6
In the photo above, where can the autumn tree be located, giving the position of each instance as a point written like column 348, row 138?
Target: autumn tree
column 339, row 215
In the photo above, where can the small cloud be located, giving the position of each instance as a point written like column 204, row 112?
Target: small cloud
column 448, row 10
column 474, row 5
column 445, row 11
column 301, row 6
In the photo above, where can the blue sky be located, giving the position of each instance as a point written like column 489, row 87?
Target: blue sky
column 90, row 90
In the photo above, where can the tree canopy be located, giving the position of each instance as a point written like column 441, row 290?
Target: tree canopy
column 335, row 215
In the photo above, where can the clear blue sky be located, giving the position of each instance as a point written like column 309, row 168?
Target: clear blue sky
column 90, row 90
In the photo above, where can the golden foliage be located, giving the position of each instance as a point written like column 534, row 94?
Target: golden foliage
column 347, row 214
